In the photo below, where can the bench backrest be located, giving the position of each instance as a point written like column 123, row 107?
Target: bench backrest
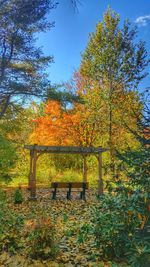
column 70, row 185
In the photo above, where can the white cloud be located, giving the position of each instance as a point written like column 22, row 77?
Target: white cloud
column 143, row 20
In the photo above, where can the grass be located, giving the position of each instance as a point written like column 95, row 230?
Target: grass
column 44, row 178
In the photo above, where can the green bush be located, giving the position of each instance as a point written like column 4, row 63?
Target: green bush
column 18, row 198
column 138, row 251
column 83, row 233
column 116, row 226
column 41, row 239
column 11, row 226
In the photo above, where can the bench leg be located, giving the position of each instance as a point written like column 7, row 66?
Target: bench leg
column 69, row 193
column 54, row 194
column 82, row 193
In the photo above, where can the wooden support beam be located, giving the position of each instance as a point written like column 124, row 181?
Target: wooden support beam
column 100, row 180
column 30, row 173
column 33, row 175
column 84, row 169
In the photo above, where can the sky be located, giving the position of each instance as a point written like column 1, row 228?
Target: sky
column 68, row 39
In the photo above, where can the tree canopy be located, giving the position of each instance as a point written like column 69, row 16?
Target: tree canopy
column 22, row 63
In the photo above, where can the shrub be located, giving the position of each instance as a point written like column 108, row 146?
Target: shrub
column 138, row 252
column 117, row 223
column 84, row 232
column 41, row 238
column 11, row 226
column 18, row 198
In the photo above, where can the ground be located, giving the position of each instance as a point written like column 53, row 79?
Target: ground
column 70, row 218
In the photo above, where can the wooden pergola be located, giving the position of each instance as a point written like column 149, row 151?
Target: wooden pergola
column 36, row 151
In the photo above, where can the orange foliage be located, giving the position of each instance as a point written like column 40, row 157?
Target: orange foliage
column 48, row 127
column 78, row 126
column 87, row 124
column 63, row 127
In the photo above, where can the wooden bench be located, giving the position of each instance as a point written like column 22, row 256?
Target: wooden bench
column 69, row 186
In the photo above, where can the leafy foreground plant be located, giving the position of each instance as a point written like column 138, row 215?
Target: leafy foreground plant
column 11, row 227
column 139, row 250
column 35, row 238
column 117, row 227
column 41, row 238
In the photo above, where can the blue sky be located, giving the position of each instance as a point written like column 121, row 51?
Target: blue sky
column 68, row 39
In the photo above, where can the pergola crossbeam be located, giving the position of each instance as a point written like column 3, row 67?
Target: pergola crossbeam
column 66, row 149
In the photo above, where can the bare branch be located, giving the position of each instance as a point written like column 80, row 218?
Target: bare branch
column 75, row 4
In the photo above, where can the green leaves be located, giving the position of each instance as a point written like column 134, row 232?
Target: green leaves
column 22, row 65
column 11, row 226
column 18, row 198
column 110, row 233
column 7, row 158
column 112, row 54
column 116, row 62
column 41, row 239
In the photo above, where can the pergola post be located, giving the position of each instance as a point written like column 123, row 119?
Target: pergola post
column 84, row 169
column 30, row 173
column 32, row 176
column 100, row 180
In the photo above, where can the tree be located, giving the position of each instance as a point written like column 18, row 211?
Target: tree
column 59, row 93
column 47, row 126
column 96, row 122
column 59, row 126
column 136, row 161
column 75, row 4
column 22, row 64
column 116, row 62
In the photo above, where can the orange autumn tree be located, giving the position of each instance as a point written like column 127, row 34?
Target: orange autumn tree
column 48, row 130
column 58, row 126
